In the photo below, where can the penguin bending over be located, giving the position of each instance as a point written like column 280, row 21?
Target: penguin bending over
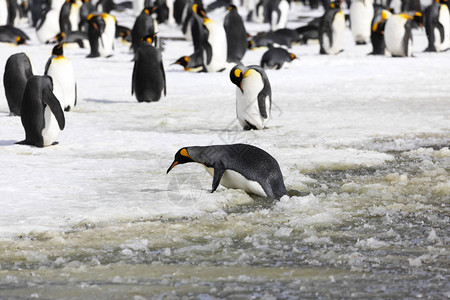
column 437, row 26
column 276, row 58
column 61, row 70
column 331, row 29
column 41, row 114
column 17, row 71
column 397, row 33
column 237, row 166
column 149, row 79
column 253, row 96
column 101, row 34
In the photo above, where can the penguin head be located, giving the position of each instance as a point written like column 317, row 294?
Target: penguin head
column 149, row 38
column 292, row 55
column 232, row 7
column 181, row 157
column 385, row 14
column 198, row 9
column 58, row 50
column 236, row 76
column 418, row 18
column 60, row 37
column 20, row 40
column 182, row 61
column 335, row 4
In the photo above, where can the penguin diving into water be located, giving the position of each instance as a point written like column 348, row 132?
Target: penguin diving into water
column 253, row 96
column 237, row 166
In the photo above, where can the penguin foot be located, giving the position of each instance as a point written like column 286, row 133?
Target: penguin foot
column 93, row 55
column 361, row 43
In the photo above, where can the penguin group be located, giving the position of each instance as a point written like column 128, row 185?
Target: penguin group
column 220, row 39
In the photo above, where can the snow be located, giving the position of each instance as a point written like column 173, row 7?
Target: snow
column 110, row 163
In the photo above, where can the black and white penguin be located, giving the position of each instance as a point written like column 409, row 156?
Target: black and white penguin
column 214, row 47
column 123, row 33
column 191, row 63
column 149, row 79
column 237, row 166
column 17, row 71
column 101, row 34
column 61, row 70
column 47, row 26
column 236, row 35
column 397, row 33
column 86, row 9
column 74, row 37
column 41, row 114
column 69, row 16
column 9, row 12
column 377, row 34
column 308, row 32
column 331, row 29
column 143, row 25
column 361, row 15
column 279, row 12
column 276, row 58
column 282, row 37
column 253, row 96
column 437, row 26
column 12, row 35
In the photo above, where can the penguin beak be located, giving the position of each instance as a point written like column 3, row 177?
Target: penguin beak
column 172, row 166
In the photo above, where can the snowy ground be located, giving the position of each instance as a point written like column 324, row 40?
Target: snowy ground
column 362, row 139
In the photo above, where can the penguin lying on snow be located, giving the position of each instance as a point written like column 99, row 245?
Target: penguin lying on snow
column 41, row 114
column 10, row 34
column 276, row 58
column 253, row 96
column 17, row 71
column 237, row 166
column 191, row 63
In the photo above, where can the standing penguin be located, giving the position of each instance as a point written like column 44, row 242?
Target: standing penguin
column 69, row 16
column 397, row 33
column 276, row 58
column 236, row 35
column 253, row 96
column 47, row 26
column 61, row 70
column 331, row 29
column 143, row 25
column 41, row 114
column 437, row 26
column 17, row 71
column 361, row 15
column 86, row 9
column 149, row 79
column 377, row 34
column 279, row 12
column 237, row 166
column 101, row 34
column 214, row 47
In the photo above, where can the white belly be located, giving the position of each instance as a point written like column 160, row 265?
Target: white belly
column 393, row 36
column 51, row 130
column 361, row 16
column 50, row 27
column 444, row 19
column 218, row 40
column 74, row 16
column 234, row 180
column 337, row 31
column 284, row 11
column 138, row 6
column 3, row 12
column 61, row 71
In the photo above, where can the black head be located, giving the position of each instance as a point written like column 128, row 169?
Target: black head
column 335, row 4
column 236, row 76
column 199, row 10
column 418, row 18
column 292, row 55
column 181, row 157
column 149, row 38
column 60, row 37
column 20, row 40
column 58, row 50
column 232, row 7
column 182, row 61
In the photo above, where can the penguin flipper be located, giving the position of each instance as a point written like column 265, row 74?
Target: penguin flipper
column 164, row 76
column 133, row 78
column 216, row 179
column 440, row 27
column 50, row 99
column 76, row 95
column 47, row 65
column 262, row 104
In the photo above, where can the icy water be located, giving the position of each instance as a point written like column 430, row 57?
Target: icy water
column 363, row 144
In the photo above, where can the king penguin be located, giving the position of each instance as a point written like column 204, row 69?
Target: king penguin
column 149, row 79
column 214, row 46
column 47, row 26
column 377, row 34
column 331, row 29
column 101, row 34
column 69, row 16
column 236, row 35
column 276, row 58
column 361, row 15
column 279, row 12
column 437, row 26
column 237, row 166
column 61, row 70
column 17, row 71
column 397, row 33
column 253, row 96
column 143, row 25
column 41, row 114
